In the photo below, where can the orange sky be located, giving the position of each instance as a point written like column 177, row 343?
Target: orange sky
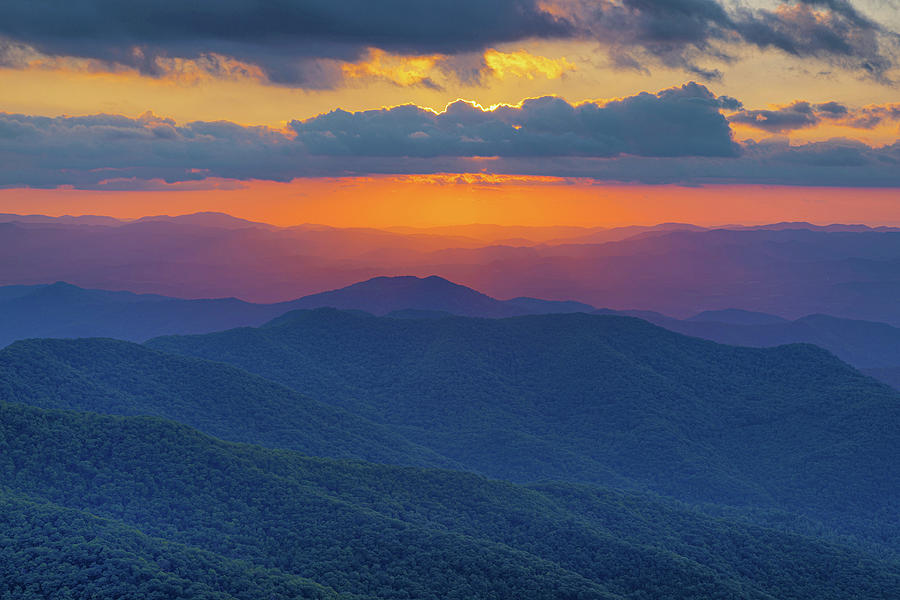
column 422, row 201
column 578, row 69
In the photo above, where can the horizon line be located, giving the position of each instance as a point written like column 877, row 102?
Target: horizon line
column 397, row 228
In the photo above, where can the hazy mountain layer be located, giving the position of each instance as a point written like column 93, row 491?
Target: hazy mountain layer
column 67, row 311
column 790, row 270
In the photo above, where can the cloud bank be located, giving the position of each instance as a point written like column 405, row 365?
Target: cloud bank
column 682, row 121
column 677, row 135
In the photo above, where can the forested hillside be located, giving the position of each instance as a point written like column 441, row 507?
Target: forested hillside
column 118, row 504
column 114, row 377
column 600, row 399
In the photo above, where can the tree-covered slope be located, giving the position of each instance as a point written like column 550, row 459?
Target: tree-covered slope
column 51, row 552
column 890, row 376
column 115, row 377
column 135, row 501
column 599, row 399
column 863, row 344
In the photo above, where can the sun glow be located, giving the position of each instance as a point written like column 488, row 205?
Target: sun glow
column 395, row 68
column 456, row 199
column 524, row 64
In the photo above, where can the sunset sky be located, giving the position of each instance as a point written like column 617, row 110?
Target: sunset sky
column 360, row 113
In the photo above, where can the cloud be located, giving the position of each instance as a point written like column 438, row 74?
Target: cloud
column 834, row 163
column 801, row 114
column 678, row 135
column 827, row 29
column 316, row 43
column 872, row 116
column 787, row 118
column 684, row 33
column 675, row 122
column 287, row 39
column 103, row 150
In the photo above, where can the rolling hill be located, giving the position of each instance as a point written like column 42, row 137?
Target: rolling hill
column 121, row 378
column 600, row 399
column 136, row 505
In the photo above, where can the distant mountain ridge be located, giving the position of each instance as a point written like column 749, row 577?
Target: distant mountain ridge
column 863, row 344
column 736, row 316
column 382, row 295
column 65, row 310
column 487, row 231
column 676, row 269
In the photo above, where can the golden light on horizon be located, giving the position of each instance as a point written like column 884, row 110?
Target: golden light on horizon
column 464, row 198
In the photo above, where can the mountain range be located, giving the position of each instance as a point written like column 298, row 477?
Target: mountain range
column 790, row 270
column 411, row 437
column 597, row 399
column 645, row 463
column 62, row 310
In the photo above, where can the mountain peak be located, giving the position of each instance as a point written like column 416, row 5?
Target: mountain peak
column 383, row 295
column 204, row 219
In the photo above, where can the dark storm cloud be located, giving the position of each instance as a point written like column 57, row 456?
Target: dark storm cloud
column 674, row 136
column 287, row 39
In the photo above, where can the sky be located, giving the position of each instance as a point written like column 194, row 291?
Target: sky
column 401, row 112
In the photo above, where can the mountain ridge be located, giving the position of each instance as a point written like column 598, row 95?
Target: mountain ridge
column 121, row 378
column 64, row 310
column 602, row 399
